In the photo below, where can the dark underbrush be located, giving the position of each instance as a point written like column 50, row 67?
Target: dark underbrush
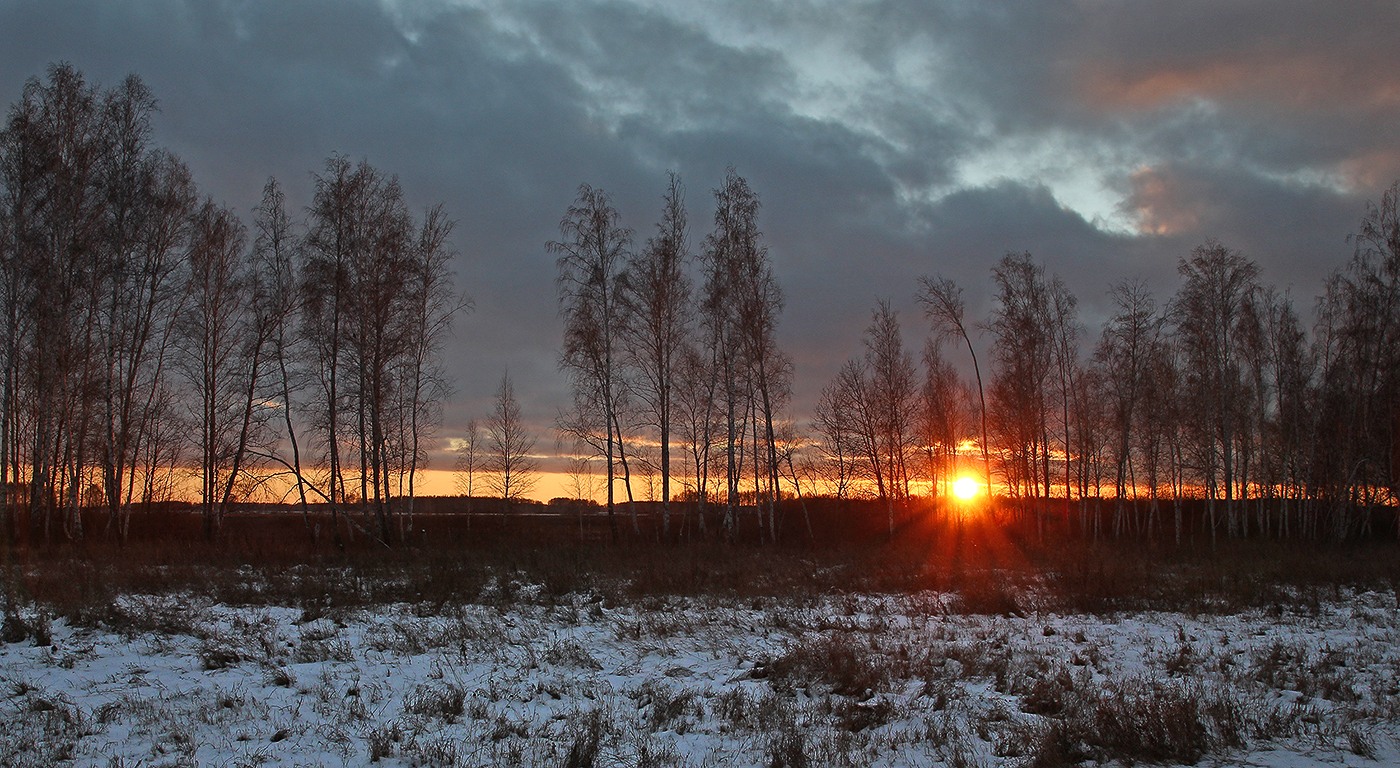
column 995, row 565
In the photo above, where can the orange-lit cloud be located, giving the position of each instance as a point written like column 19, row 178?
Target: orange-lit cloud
column 1287, row 79
column 1161, row 204
column 1372, row 170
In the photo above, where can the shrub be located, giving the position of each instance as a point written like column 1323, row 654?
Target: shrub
column 587, row 739
column 669, row 706
column 857, row 716
column 838, row 661
column 442, row 700
column 1049, row 694
column 1051, row 744
column 788, row 749
column 217, row 654
column 382, row 739
column 571, row 653
column 1149, row 721
column 17, row 628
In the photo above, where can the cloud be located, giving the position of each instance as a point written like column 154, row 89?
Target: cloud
column 1162, row 204
column 1288, row 88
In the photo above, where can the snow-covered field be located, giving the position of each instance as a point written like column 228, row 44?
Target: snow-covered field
column 842, row 680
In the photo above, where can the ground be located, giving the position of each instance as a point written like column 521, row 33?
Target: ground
column 517, row 675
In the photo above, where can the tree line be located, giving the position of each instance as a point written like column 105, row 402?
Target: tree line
column 1218, row 398
column 147, row 329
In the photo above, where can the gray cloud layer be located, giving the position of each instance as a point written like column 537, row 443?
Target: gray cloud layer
column 887, row 139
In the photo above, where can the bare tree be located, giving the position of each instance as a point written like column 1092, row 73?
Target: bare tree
column 1092, row 445
column 212, row 334
column 105, row 256
column 1212, row 310
column 325, row 272
column 1297, row 366
column 377, row 299
column 274, row 251
column 583, row 481
column 740, row 305
column 431, row 303
column 1283, row 368
column 873, row 401
column 655, row 300
column 697, row 423
column 10, row 334
column 149, row 199
column 893, row 390
column 1375, row 266
column 1065, row 333
column 94, row 218
column 511, row 468
column 794, row 457
column 850, row 396
column 1021, row 324
column 941, row 422
column 471, row 457
column 834, row 424
column 379, row 335
column 1159, row 423
column 1123, row 355
column 592, row 251
column 944, row 307
column 1358, row 443
column 51, row 148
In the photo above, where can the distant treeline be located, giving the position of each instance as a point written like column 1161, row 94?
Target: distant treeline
column 270, row 533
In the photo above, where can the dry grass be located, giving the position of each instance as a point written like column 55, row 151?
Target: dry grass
column 838, row 680
column 956, row 608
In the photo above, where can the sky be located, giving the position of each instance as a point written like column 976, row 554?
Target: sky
column 887, row 140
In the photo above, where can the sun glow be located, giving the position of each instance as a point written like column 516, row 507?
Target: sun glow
column 965, row 488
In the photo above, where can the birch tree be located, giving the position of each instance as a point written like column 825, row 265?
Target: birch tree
column 275, row 247
column 740, row 305
column 1124, row 356
column 592, row 250
column 945, row 308
column 655, row 300
column 1211, row 312
column 94, row 222
column 940, row 416
column 1023, row 349
column 510, row 466
column 221, row 367
column 471, row 457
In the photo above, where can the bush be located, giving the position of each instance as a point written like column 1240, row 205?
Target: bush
column 1050, row 694
column 788, row 749
column 857, row 716
column 669, row 706
column 17, row 628
column 445, row 701
column 1149, row 721
column 837, row 661
column 587, row 739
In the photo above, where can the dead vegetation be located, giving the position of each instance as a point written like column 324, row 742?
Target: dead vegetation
column 957, row 647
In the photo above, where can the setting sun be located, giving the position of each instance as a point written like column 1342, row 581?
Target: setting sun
column 965, row 488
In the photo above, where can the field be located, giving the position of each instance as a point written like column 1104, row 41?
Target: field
column 960, row 645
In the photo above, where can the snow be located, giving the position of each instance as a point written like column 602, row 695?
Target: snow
column 866, row 679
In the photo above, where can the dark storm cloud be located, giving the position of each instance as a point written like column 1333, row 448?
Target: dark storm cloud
column 887, row 139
